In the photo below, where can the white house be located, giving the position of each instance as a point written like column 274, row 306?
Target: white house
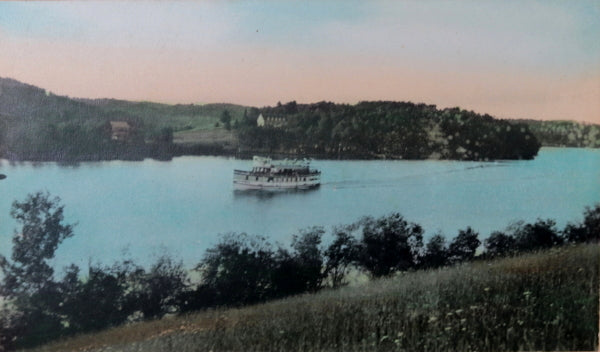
column 260, row 121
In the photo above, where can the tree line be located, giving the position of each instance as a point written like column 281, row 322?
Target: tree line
column 401, row 130
column 241, row 269
column 565, row 133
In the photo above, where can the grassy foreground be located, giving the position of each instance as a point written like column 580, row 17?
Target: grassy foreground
column 543, row 301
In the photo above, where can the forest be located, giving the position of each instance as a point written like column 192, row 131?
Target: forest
column 386, row 129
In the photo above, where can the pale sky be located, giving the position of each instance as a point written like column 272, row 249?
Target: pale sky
column 511, row 59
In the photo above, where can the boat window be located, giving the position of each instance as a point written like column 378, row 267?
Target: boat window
column 305, row 179
column 270, row 179
column 256, row 178
column 246, row 177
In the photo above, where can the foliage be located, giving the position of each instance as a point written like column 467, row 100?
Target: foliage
column 542, row 301
column 389, row 244
column 400, row 130
column 587, row 231
column 157, row 291
column 436, row 252
column 499, row 244
column 238, row 269
column 42, row 230
column 242, row 270
column 103, row 300
column 341, row 254
column 463, row 247
column 37, row 306
column 565, row 133
column 226, row 119
column 539, row 235
column 301, row 269
column 28, row 278
column 309, row 259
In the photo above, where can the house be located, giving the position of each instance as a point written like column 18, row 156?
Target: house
column 275, row 122
column 120, row 130
column 260, row 121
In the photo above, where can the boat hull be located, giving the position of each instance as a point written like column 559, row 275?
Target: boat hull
column 240, row 186
column 243, row 180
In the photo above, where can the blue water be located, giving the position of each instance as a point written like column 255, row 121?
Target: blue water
column 143, row 209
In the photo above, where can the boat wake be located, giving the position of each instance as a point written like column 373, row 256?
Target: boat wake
column 401, row 180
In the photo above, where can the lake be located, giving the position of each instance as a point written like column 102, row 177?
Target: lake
column 143, row 209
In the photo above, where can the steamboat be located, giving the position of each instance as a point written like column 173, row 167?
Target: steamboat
column 267, row 174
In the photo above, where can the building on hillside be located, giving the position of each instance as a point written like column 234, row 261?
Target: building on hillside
column 120, row 130
column 275, row 122
column 260, row 121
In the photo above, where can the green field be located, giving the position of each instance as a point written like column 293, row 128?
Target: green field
column 190, row 117
column 542, row 301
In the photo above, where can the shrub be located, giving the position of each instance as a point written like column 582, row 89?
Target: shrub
column 539, row 235
column 499, row 244
column 436, row 253
column 463, row 247
column 389, row 244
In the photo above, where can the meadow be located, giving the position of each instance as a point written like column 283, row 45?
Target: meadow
column 540, row 301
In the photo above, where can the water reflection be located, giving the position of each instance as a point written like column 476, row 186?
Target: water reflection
column 270, row 194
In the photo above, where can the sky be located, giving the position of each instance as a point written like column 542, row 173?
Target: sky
column 511, row 59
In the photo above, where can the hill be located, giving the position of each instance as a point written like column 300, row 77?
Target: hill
column 565, row 133
column 36, row 124
column 543, row 301
column 386, row 129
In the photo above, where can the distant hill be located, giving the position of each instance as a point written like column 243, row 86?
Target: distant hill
column 36, row 124
column 386, row 129
column 565, row 133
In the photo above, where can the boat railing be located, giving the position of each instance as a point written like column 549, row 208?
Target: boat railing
column 248, row 173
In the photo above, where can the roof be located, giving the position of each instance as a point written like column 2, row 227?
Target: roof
column 119, row 124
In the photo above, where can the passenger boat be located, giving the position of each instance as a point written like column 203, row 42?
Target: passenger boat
column 267, row 174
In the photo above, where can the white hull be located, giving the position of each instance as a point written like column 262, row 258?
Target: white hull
column 248, row 181
column 272, row 187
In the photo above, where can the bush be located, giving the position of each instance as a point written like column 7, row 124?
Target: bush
column 238, row 269
column 500, row 244
column 157, row 290
column 539, row 235
column 340, row 255
column 588, row 231
column 436, row 253
column 389, row 244
column 463, row 247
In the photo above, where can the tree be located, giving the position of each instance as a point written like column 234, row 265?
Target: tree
column 539, row 235
column 499, row 244
column 238, row 269
column 463, row 247
column 226, row 119
column 42, row 230
column 587, row 231
column 28, row 280
column 340, row 255
column 307, row 253
column 436, row 252
column 389, row 244
column 102, row 300
column 158, row 289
